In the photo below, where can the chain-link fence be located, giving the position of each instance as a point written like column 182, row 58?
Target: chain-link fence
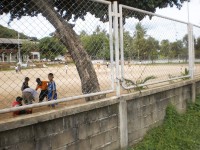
column 154, row 48
column 196, row 32
column 37, row 45
column 74, row 40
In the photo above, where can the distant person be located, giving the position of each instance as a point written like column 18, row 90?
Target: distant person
column 129, row 64
column 107, row 64
column 16, row 69
column 43, row 85
column 29, row 95
column 18, row 103
column 25, row 83
column 19, row 68
column 66, row 67
column 98, row 65
column 52, row 93
column 45, row 66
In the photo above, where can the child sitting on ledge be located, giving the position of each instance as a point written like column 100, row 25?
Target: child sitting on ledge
column 18, row 103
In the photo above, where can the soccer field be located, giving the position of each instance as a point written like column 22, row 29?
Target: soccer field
column 68, row 84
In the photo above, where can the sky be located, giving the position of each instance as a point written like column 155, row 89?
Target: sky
column 161, row 28
column 194, row 7
column 157, row 27
column 194, row 15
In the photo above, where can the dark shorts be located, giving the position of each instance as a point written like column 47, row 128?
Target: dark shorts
column 43, row 94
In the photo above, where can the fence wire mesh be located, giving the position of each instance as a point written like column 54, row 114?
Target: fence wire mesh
column 155, row 48
column 36, row 41
column 196, row 32
column 31, row 47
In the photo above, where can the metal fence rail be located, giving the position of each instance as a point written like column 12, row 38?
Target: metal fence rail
column 34, row 49
column 153, row 48
column 196, row 33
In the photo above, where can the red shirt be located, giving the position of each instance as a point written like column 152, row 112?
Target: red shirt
column 16, row 104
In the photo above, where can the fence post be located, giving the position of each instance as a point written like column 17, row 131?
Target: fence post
column 191, row 59
column 123, row 104
column 121, row 42
column 123, row 128
column 191, row 50
column 116, row 39
column 111, row 45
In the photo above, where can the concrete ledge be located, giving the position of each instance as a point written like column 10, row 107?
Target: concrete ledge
column 158, row 89
column 27, row 120
column 102, row 124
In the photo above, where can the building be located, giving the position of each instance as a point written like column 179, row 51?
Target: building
column 60, row 58
column 68, row 57
column 9, row 51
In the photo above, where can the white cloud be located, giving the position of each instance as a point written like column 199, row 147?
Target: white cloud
column 182, row 14
column 158, row 28
column 30, row 26
column 90, row 24
column 161, row 28
column 40, row 27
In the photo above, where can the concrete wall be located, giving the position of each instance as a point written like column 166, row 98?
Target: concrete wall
column 148, row 111
column 108, row 124
column 197, row 87
column 92, row 128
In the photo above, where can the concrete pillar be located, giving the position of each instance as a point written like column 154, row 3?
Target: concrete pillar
column 10, row 57
column 17, row 55
column 123, row 125
column 38, row 56
column 3, row 57
column 194, row 92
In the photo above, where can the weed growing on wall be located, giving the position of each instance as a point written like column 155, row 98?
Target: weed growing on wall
column 178, row 132
column 143, row 81
column 185, row 73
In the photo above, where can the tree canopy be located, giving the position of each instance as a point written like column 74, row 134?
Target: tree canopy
column 97, row 44
column 50, row 47
column 10, row 33
column 78, row 8
column 138, row 46
column 29, row 46
column 197, row 48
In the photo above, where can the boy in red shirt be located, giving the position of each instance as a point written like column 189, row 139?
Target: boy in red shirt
column 18, row 103
column 43, row 85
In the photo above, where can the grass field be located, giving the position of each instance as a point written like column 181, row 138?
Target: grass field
column 178, row 132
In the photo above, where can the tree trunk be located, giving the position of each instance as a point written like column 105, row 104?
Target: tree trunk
column 72, row 42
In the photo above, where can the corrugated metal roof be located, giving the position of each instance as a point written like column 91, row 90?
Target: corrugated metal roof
column 12, row 41
column 8, row 51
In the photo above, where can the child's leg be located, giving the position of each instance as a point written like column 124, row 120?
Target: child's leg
column 43, row 94
column 40, row 97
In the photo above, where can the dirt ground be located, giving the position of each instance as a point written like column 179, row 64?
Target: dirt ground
column 68, row 84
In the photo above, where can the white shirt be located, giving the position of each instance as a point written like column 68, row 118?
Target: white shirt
column 32, row 91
